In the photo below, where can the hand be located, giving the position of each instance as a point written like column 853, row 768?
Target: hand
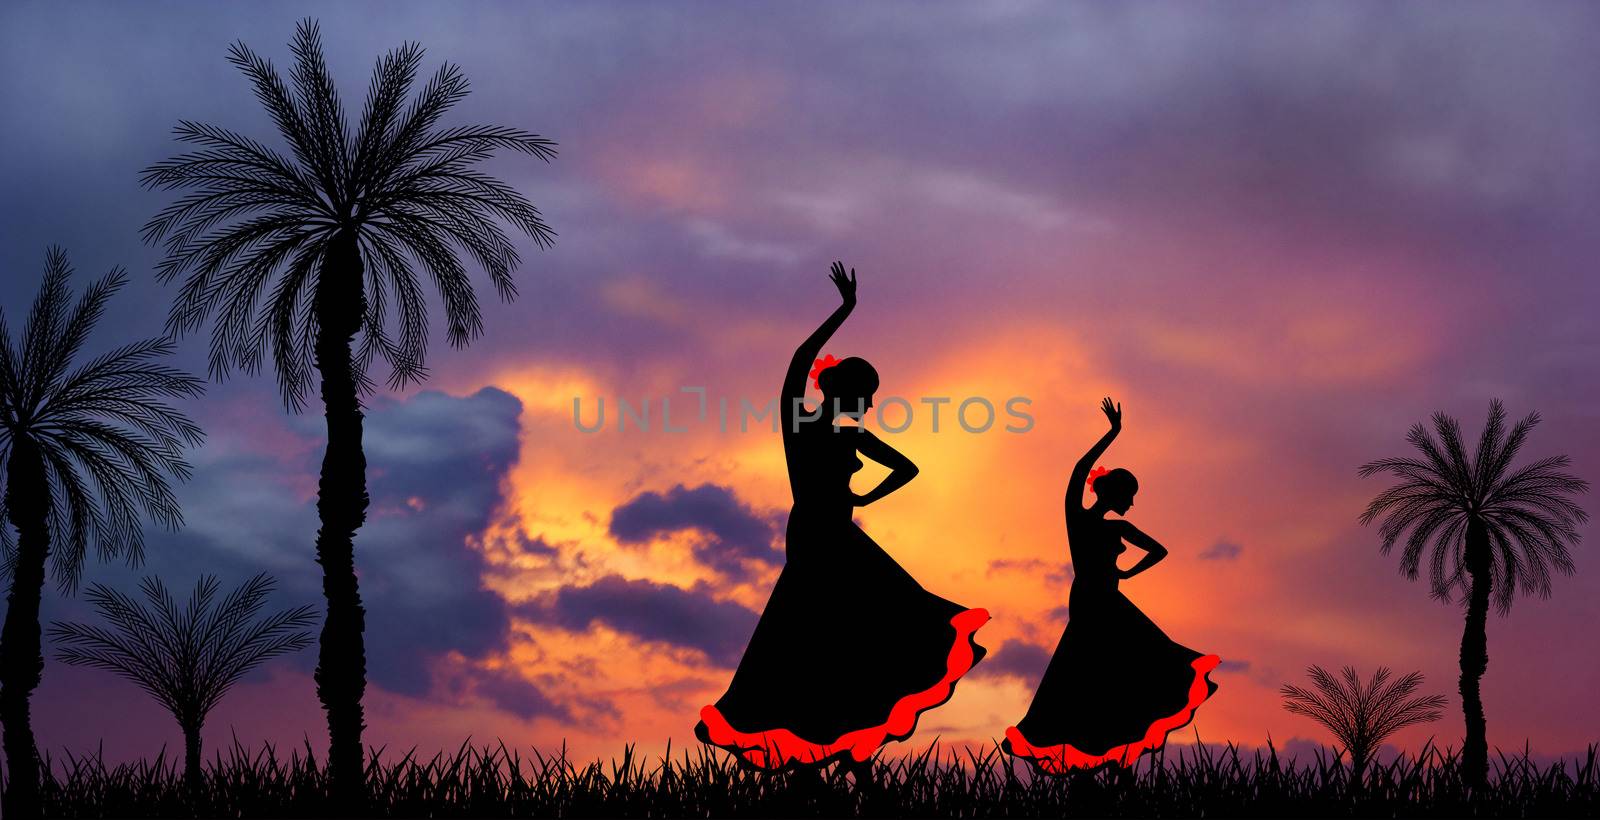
column 845, row 284
column 1113, row 412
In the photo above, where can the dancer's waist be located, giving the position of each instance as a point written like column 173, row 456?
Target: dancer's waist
column 1094, row 584
column 821, row 511
column 820, row 532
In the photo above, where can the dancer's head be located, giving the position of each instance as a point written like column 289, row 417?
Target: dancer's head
column 1114, row 490
column 849, row 386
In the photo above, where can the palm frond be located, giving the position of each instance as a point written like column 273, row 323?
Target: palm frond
column 1527, row 514
column 318, row 100
column 110, row 438
column 1362, row 716
column 187, row 657
column 248, row 237
column 391, row 80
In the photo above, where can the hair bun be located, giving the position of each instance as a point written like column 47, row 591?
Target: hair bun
column 820, row 366
column 1096, row 473
column 852, row 376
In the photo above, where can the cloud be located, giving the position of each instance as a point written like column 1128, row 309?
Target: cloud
column 653, row 612
column 734, row 532
column 1241, row 152
column 535, row 545
column 436, row 465
column 1015, row 659
column 973, row 193
column 716, row 240
column 432, row 430
column 1055, row 572
column 1221, row 551
column 510, row 691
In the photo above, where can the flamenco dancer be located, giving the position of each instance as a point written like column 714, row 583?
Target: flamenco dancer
column 850, row 649
column 1116, row 684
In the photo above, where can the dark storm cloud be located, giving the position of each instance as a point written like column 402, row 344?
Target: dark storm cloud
column 438, row 463
column 734, row 532
column 435, row 467
column 653, row 612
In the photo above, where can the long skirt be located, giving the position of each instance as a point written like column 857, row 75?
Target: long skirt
column 1113, row 690
column 848, row 653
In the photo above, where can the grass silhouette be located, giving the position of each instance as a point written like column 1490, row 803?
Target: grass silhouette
column 496, row 781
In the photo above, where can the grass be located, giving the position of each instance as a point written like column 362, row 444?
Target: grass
column 495, row 781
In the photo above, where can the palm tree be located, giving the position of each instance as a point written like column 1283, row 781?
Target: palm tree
column 187, row 658
column 87, row 453
column 300, row 256
column 1488, row 530
column 1362, row 717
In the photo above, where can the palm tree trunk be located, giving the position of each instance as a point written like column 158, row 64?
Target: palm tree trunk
column 21, row 659
column 1475, row 656
column 193, row 777
column 342, row 507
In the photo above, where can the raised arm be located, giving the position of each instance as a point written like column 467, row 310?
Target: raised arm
column 1153, row 551
column 794, row 381
column 1080, row 471
column 901, row 470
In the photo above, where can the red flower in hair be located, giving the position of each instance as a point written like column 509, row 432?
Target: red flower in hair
column 1096, row 473
column 822, row 364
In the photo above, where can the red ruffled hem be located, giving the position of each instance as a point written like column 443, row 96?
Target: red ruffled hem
column 776, row 748
column 1063, row 757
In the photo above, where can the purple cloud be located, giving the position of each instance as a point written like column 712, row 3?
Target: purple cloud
column 653, row 612
column 513, row 693
column 1015, row 659
column 1055, row 572
column 734, row 531
column 437, row 465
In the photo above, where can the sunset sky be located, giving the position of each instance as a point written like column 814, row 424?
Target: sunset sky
column 1279, row 234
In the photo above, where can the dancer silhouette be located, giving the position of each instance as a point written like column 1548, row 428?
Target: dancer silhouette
column 850, row 649
column 1116, row 684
